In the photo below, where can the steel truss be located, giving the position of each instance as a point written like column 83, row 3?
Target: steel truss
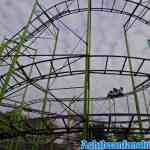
column 17, row 78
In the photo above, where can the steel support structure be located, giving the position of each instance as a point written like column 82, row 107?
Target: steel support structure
column 87, row 100
column 132, row 79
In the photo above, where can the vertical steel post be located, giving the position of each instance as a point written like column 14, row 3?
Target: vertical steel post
column 50, row 71
column 132, row 80
column 87, row 101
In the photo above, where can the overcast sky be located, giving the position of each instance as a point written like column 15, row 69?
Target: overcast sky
column 107, row 39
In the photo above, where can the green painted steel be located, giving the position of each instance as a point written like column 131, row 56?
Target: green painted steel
column 87, row 101
column 16, row 56
column 132, row 79
column 50, row 71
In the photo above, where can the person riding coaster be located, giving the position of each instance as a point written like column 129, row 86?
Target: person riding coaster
column 115, row 93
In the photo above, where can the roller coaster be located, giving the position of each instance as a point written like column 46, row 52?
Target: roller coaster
column 46, row 98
